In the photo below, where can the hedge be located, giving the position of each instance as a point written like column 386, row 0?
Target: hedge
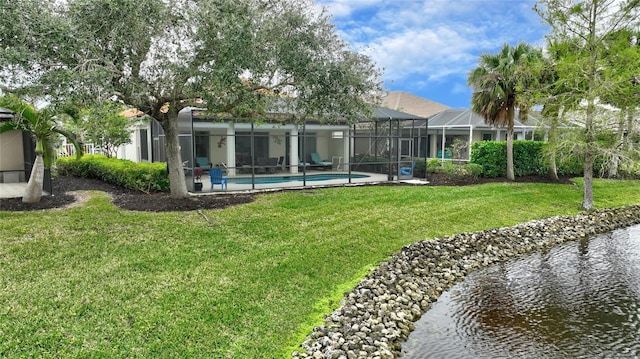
column 139, row 176
column 528, row 159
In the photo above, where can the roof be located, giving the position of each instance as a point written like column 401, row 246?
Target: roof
column 465, row 118
column 384, row 113
column 403, row 101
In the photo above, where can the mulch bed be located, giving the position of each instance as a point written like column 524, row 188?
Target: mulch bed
column 64, row 186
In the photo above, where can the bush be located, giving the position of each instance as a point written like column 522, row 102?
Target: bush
column 457, row 171
column 528, row 158
column 474, row 170
column 492, row 156
column 433, row 165
column 421, row 167
column 145, row 177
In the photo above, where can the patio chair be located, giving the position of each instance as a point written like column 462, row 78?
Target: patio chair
column 315, row 159
column 204, row 163
column 408, row 171
column 216, row 177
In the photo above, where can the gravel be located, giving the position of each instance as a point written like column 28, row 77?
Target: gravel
column 377, row 316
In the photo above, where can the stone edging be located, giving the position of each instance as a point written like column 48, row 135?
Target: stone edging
column 378, row 315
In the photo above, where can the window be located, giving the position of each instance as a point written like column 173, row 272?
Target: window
column 144, row 145
column 486, row 137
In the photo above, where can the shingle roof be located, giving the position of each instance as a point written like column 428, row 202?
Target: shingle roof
column 406, row 102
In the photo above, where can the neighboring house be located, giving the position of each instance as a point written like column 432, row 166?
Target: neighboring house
column 415, row 105
column 449, row 125
column 446, row 124
column 139, row 150
column 17, row 154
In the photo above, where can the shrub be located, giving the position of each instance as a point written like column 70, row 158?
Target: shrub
column 455, row 171
column 474, row 170
column 145, row 177
column 492, row 156
column 528, row 158
column 421, row 167
column 433, row 165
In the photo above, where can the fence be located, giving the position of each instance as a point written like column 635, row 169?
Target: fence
column 69, row 149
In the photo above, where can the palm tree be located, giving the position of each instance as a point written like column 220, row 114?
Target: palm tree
column 496, row 83
column 43, row 126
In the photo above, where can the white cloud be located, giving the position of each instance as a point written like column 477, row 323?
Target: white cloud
column 433, row 41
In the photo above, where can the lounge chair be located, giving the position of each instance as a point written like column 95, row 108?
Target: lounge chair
column 315, row 160
column 204, row 163
column 216, row 177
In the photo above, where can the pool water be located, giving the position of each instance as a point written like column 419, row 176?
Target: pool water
column 295, row 178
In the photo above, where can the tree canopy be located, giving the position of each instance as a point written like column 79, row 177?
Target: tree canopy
column 238, row 57
column 496, row 83
column 585, row 70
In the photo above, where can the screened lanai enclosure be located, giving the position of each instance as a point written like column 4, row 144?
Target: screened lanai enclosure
column 278, row 154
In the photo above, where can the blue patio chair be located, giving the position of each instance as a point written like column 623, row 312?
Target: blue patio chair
column 216, row 177
column 407, row 171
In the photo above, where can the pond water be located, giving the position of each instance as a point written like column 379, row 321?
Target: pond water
column 577, row 300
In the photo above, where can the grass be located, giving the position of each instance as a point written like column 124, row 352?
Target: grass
column 96, row 281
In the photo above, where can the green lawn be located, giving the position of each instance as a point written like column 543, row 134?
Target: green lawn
column 96, row 281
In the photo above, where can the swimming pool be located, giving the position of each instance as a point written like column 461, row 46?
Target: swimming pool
column 295, row 178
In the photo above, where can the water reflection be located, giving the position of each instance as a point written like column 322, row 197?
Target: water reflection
column 578, row 300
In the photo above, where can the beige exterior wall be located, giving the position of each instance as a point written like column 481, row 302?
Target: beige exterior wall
column 11, row 157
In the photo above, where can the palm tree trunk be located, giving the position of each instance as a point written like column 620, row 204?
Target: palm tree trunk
column 33, row 191
column 510, row 172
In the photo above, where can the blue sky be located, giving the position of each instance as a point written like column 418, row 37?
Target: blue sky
column 427, row 47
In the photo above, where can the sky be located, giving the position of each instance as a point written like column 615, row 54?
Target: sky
column 428, row 47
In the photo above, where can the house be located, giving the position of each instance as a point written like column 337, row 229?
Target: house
column 415, row 105
column 446, row 125
column 17, row 155
column 463, row 124
column 276, row 146
column 139, row 150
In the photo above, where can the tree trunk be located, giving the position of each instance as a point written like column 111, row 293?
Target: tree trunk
column 33, row 191
column 589, row 139
column 177, row 183
column 587, row 198
column 510, row 172
column 553, row 139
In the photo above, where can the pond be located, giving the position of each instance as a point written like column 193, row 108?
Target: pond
column 577, row 300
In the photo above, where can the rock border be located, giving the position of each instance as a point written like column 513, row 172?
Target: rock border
column 377, row 316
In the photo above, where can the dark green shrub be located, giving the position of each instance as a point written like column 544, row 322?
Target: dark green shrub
column 145, row 177
column 421, row 167
column 492, row 156
column 528, row 158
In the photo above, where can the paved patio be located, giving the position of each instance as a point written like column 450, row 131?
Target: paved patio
column 12, row 190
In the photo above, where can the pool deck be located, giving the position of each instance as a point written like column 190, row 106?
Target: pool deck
column 294, row 184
